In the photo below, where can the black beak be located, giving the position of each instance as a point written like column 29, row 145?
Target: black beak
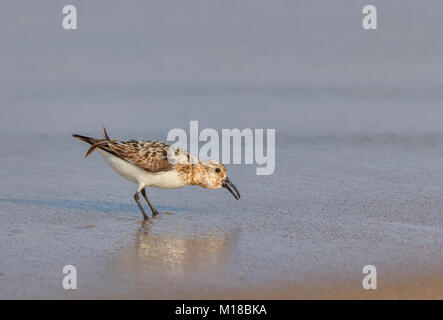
column 229, row 185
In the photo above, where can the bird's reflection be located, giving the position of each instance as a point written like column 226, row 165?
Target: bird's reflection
column 178, row 251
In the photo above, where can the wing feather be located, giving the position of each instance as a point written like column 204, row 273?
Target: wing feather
column 151, row 156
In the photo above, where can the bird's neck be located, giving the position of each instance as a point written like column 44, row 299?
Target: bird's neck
column 192, row 174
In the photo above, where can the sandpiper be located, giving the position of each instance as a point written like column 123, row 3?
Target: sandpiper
column 159, row 165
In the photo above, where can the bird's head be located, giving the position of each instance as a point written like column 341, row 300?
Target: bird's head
column 214, row 177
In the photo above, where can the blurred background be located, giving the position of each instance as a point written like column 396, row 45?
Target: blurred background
column 357, row 115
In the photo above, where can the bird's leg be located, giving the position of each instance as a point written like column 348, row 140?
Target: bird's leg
column 137, row 199
column 154, row 211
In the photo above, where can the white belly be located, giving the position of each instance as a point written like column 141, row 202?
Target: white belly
column 168, row 179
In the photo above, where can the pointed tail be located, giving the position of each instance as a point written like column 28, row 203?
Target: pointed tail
column 84, row 139
column 95, row 143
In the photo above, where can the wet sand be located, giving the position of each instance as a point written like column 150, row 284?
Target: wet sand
column 427, row 287
column 359, row 144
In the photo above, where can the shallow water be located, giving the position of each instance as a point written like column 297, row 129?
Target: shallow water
column 358, row 147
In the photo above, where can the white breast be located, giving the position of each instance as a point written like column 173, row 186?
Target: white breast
column 168, row 179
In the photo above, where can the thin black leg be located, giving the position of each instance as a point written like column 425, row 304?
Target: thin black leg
column 154, row 211
column 137, row 199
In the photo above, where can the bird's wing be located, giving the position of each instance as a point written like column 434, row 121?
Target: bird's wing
column 151, row 156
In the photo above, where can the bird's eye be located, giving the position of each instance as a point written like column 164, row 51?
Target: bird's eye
column 217, row 169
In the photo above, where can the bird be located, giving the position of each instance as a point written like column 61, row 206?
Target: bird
column 150, row 163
